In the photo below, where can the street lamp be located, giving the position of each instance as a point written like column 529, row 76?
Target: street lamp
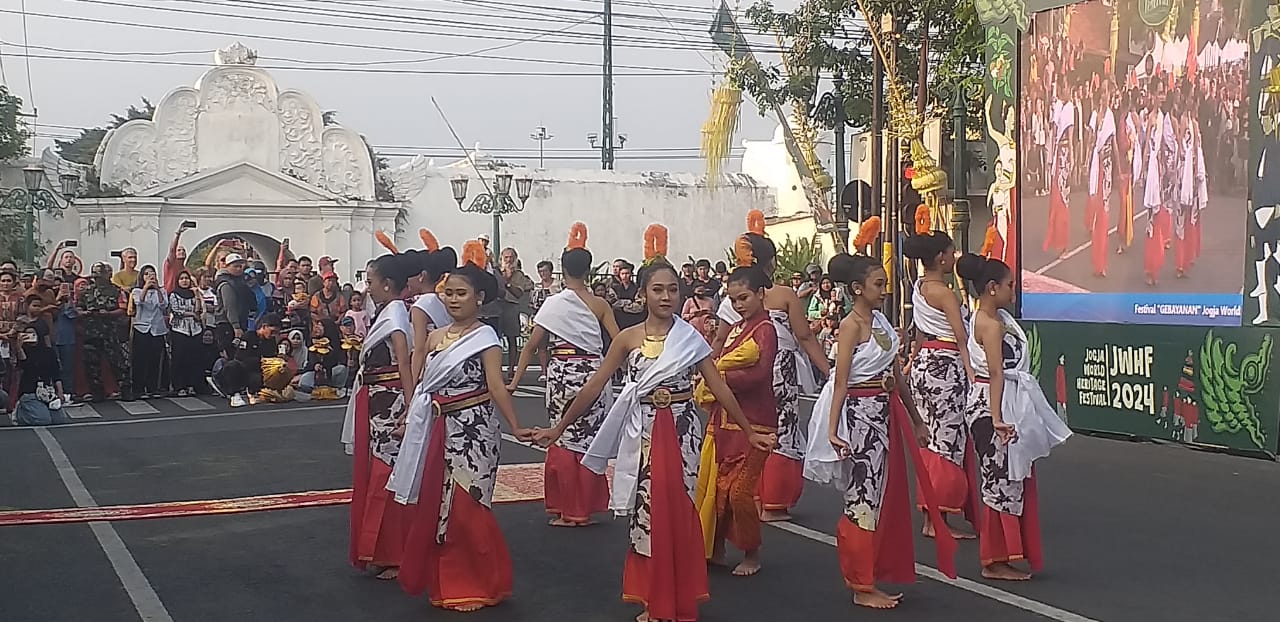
column 833, row 102
column 497, row 202
column 33, row 198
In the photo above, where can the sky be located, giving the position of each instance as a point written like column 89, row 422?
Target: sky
column 378, row 63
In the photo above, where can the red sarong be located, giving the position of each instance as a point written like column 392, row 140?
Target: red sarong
column 1007, row 538
column 573, row 492
column 1055, row 237
column 888, row 553
column 472, row 566
column 673, row 579
column 378, row 526
column 781, row 484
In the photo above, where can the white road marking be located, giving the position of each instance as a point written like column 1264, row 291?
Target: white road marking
column 82, row 411
column 144, row 597
column 192, row 404
column 138, row 408
column 928, row 572
column 232, row 413
column 1080, row 249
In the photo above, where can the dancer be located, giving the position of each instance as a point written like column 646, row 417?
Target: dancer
column 1056, row 237
column 428, row 312
column 378, row 526
column 941, row 372
column 572, row 319
column 856, row 439
column 1193, row 194
column 1153, row 198
column 731, row 468
column 449, row 457
column 783, row 479
column 1011, row 422
column 1129, row 142
column 654, row 432
column 1101, row 171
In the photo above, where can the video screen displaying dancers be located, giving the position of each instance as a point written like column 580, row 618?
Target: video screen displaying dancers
column 1134, row 150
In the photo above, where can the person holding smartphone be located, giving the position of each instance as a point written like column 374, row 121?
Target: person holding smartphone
column 40, row 388
column 65, row 314
column 148, row 306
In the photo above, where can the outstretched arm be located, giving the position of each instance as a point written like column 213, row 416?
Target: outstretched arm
column 492, row 359
column 728, row 402
column 840, row 383
column 589, row 393
column 536, row 338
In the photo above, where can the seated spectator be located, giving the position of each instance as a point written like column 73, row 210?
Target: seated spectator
column 40, row 381
column 241, row 377
column 327, row 364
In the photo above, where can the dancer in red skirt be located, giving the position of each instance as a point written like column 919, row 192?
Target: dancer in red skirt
column 448, row 463
column 378, row 526
column 941, row 373
column 1101, row 171
column 666, row 567
column 1056, row 237
column 799, row 353
column 575, row 321
column 1011, row 422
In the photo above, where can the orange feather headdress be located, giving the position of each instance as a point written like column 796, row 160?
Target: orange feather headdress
column 577, row 236
column 867, row 233
column 428, row 240
column 385, row 241
column 755, row 222
column 924, row 220
column 473, row 253
column 655, row 244
column 989, row 241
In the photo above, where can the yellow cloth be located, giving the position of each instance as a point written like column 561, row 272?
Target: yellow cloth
column 744, row 355
column 705, row 499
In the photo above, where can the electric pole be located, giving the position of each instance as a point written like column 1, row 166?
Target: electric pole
column 540, row 134
column 606, row 146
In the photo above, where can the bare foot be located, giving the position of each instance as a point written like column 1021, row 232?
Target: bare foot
column 961, row 534
column 876, row 599
column 749, row 566
column 643, row 617
column 468, row 608
column 773, row 516
column 388, row 574
column 1001, row 571
column 560, row 522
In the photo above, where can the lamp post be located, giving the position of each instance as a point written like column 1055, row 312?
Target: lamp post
column 33, row 198
column 497, row 202
column 834, row 101
column 959, row 173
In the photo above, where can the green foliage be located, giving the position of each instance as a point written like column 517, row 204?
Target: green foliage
column 1225, row 387
column 796, row 255
column 1033, row 350
column 13, row 130
column 84, row 147
column 381, row 185
column 817, row 41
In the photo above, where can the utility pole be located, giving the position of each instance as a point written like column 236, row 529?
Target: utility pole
column 540, row 134
column 842, row 217
column 606, row 148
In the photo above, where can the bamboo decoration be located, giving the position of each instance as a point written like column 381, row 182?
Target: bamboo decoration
column 717, row 131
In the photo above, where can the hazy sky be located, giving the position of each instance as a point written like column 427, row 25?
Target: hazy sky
column 378, row 63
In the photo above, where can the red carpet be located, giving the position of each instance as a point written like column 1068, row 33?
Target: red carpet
column 516, row 483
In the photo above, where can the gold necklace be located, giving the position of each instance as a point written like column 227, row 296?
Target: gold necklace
column 451, row 336
column 652, row 345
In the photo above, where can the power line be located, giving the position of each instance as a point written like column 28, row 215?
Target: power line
column 429, row 72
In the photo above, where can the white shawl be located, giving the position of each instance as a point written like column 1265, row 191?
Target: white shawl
column 1106, row 130
column 568, row 317
column 787, row 342
column 392, row 318
column 406, row 475
column 1023, row 405
column 821, row 462
column 431, row 305
column 621, row 432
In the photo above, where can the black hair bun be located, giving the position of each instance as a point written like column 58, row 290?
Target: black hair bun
column 485, row 284
column 971, row 267
column 925, row 247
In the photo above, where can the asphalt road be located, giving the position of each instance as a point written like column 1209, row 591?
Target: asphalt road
column 1132, row 532
column 1220, row 268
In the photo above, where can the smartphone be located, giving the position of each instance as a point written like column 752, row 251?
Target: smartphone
column 28, row 337
column 117, row 254
column 188, row 224
column 359, row 275
column 70, row 243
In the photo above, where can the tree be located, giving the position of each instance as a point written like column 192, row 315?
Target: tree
column 13, row 130
column 817, row 40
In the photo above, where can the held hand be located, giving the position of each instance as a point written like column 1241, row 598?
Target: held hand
column 922, row 435
column 1005, row 432
column 544, row 437
column 763, row 442
column 526, row 434
column 841, row 447
column 513, row 385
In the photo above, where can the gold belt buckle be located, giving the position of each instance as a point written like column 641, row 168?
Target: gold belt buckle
column 661, row 398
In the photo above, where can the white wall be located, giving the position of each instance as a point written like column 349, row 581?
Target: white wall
column 702, row 221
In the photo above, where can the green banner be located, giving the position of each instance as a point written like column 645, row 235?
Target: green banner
column 1195, row 385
